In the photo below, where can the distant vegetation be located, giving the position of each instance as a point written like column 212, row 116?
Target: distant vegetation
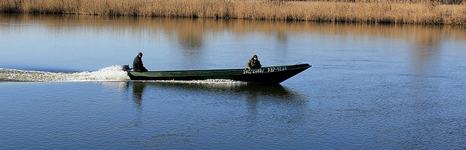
column 358, row 11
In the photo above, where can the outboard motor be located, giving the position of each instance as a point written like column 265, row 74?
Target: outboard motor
column 126, row 68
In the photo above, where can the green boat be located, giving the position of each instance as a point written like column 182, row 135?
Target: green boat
column 264, row 75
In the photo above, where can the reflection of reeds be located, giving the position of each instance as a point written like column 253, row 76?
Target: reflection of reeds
column 190, row 29
column 365, row 11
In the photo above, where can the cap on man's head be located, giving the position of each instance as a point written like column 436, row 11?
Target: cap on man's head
column 140, row 54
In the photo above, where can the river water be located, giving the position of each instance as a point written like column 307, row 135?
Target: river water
column 370, row 87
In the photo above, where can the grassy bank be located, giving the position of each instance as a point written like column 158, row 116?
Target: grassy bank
column 421, row 12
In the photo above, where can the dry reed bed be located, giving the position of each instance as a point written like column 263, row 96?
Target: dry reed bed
column 320, row 11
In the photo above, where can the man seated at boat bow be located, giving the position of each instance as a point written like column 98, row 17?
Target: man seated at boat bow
column 254, row 63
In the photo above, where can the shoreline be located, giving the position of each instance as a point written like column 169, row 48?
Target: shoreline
column 314, row 11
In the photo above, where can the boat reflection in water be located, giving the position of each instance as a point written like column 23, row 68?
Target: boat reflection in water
column 250, row 102
column 138, row 89
column 251, row 92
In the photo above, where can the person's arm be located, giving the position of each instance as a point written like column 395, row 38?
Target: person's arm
column 143, row 69
column 249, row 65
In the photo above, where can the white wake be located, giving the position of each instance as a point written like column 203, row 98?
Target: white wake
column 112, row 73
column 207, row 81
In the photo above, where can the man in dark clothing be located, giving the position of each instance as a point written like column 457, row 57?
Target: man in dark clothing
column 254, row 63
column 137, row 64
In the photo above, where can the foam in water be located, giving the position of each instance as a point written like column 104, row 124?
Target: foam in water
column 112, row 73
column 207, row 81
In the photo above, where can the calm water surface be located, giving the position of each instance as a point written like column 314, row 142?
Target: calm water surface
column 370, row 87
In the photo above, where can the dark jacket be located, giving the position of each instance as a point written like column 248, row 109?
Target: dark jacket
column 138, row 66
column 254, row 64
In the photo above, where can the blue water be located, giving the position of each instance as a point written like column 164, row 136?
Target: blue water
column 370, row 87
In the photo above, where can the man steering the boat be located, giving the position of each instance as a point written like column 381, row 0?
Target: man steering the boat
column 254, row 63
column 138, row 66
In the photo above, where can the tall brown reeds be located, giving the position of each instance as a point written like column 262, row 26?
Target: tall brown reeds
column 360, row 11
